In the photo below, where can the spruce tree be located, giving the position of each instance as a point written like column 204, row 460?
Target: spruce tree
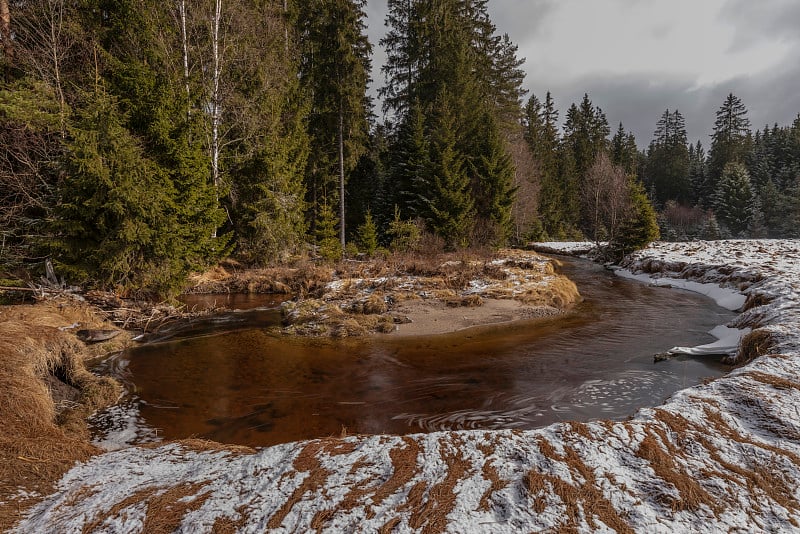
column 329, row 246
column 410, row 164
column 667, row 169
column 640, row 226
column 624, row 151
column 541, row 133
column 698, row 175
column 451, row 205
column 368, row 235
column 116, row 221
column 335, row 70
column 730, row 140
column 734, row 199
column 496, row 183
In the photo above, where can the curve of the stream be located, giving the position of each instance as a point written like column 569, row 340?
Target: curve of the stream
column 229, row 381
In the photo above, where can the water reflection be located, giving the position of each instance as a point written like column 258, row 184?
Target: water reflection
column 248, row 387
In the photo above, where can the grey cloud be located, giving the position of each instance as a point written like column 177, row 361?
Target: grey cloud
column 756, row 21
column 521, row 19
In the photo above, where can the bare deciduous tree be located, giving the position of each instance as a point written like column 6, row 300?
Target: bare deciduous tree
column 527, row 180
column 606, row 198
column 45, row 44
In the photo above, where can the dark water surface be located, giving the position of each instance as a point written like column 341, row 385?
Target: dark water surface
column 248, row 387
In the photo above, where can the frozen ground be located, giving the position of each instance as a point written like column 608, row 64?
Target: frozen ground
column 724, row 456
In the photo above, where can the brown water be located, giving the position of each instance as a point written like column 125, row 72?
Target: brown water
column 248, row 387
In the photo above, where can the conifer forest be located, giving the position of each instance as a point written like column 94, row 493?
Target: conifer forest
column 143, row 140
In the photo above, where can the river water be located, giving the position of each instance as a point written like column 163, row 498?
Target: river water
column 229, row 381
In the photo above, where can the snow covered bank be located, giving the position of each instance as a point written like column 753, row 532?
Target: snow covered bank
column 717, row 457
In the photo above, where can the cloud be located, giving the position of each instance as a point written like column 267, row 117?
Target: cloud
column 521, row 19
column 764, row 20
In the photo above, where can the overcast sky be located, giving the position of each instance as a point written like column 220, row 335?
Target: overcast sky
column 637, row 58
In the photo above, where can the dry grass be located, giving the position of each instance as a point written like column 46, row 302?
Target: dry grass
column 389, row 526
column 468, row 301
column 559, row 292
column 756, row 343
column 37, row 443
column 581, row 499
column 404, row 463
column 772, row 380
column 490, row 473
column 660, row 453
column 431, row 517
column 754, row 300
column 166, row 510
column 305, row 279
column 307, row 461
column 227, row 525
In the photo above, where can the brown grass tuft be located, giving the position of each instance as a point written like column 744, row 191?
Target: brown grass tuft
column 389, row 526
column 307, row 461
column 776, row 382
column 39, row 443
column 559, row 292
column 583, row 499
column 754, row 300
column 227, row 525
column 490, row 473
column 375, row 304
column 431, row 517
column 166, row 510
column 756, row 343
column 660, row 453
column 404, row 462
column 469, row 301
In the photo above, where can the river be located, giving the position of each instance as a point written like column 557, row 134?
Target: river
column 228, row 380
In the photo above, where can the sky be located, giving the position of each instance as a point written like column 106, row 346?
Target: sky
column 636, row 58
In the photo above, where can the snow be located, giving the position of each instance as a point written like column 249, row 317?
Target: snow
column 722, row 456
column 728, row 340
column 727, row 298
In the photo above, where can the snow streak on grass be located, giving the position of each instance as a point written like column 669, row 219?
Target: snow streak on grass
column 718, row 457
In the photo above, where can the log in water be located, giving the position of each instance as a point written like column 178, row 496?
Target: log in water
column 248, row 387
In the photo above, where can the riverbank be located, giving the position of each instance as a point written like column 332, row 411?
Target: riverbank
column 404, row 295
column 46, row 394
column 720, row 456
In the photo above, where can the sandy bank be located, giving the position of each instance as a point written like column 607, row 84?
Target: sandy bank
column 433, row 318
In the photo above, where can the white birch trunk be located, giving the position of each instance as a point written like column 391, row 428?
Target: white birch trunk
column 216, row 108
column 185, row 46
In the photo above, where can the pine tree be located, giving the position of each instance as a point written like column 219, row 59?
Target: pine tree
column 451, row 205
column 667, row 169
column 640, row 227
column 335, row 70
column 368, row 235
column 734, row 199
column 730, row 140
column 115, row 222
